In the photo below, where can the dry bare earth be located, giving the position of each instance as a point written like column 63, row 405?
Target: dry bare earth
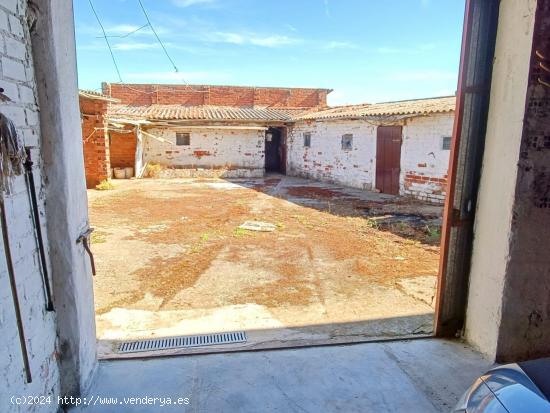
column 171, row 258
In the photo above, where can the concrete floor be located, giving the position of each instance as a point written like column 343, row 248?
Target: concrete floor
column 171, row 261
column 417, row 376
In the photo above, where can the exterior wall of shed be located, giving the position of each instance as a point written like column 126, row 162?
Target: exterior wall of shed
column 325, row 160
column 424, row 163
column 95, row 145
column 17, row 79
column 217, row 152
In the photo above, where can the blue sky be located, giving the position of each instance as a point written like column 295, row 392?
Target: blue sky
column 366, row 50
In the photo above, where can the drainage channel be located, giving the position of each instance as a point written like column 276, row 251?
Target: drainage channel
column 166, row 343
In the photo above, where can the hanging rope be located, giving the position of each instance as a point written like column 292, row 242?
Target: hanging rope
column 12, row 154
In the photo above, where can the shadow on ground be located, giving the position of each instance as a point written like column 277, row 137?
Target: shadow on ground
column 402, row 216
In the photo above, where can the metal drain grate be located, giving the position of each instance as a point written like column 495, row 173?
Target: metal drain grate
column 182, row 342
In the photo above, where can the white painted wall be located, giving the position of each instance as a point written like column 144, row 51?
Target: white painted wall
column 492, row 230
column 422, row 155
column 237, row 149
column 325, row 160
column 17, row 79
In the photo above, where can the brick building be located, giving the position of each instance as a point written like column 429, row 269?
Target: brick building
column 226, row 131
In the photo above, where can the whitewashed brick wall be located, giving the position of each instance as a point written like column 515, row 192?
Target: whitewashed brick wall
column 325, row 160
column 423, row 161
column 17, row 80
column 236, row 149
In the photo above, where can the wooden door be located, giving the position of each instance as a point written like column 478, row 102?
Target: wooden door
column 388, row 159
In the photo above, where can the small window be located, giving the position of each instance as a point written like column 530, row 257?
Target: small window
column 347, row 141
column 446, row 143
column 183, row 139
column 307, row 140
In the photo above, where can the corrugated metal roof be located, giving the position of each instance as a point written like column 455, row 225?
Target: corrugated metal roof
column 405, row 107
column 92, row 94
column 205, row 112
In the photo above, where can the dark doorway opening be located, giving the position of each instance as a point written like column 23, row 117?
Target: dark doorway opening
column 388, row 159
column 275, row 153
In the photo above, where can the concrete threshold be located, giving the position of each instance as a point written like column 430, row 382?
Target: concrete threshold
column 257, row 341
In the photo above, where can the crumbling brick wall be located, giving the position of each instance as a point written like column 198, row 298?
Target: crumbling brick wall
column 424, row 161
column 239, row 152
column 17, row 80
column 95, row 144
column 325, row 160
column 148, row 94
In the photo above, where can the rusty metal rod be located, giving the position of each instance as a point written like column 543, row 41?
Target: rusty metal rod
column 13, row 284
column 29, row 177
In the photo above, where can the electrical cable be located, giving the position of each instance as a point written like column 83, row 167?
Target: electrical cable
column 106, row 40
column 148, row 24
column 157, row 36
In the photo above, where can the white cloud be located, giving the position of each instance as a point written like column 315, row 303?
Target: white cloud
column 417, row 49
column 135, row 46
column 198, row 76
column 340, row 45
column 252, row 39
column 121, row 28
column 291, row 28
column 421, row 75
column 327, row 9
column 188, row 3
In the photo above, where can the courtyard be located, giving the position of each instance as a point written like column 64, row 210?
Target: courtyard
column 328, row 263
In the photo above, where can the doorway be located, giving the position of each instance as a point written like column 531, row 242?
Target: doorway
column 274, row 150
column 388, row 159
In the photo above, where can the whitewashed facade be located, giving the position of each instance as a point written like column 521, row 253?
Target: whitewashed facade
column 424, row 158
column 211, row 151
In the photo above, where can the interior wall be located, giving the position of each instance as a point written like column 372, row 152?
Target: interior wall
column 526, row 300
column 39, row 325
column 494, row 215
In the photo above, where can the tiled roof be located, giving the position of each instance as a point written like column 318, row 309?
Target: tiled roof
column 405, row 107
column 92, row 94
column 416, row 107
column 205, row 112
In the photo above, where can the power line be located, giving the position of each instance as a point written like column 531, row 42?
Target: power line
column 148, row 24
column 106, row 40
column 157, row 36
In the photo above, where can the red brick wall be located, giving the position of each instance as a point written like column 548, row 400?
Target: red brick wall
column 123, row 149
column 147, row 94
column 95, row 147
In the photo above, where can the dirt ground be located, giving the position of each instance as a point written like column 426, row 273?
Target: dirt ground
column 172, row 260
